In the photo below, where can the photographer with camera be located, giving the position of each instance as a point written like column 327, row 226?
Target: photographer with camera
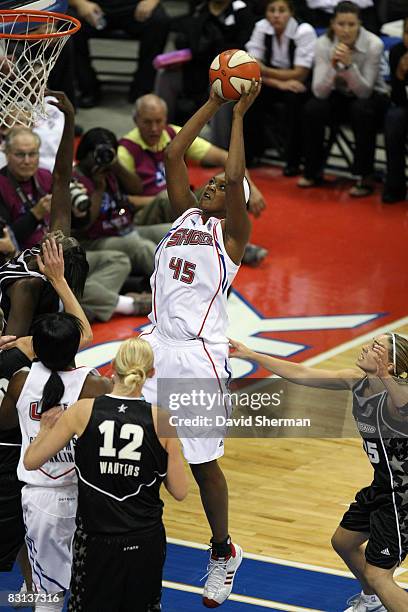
column 106, row 221
column 25, row 188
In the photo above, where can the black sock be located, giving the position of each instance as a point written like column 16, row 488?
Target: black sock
column 221, row 549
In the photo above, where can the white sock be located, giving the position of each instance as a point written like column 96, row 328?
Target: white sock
column 125, row 305
column 370, row 599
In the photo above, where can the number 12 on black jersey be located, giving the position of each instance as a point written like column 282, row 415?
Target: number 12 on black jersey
column 128, row 431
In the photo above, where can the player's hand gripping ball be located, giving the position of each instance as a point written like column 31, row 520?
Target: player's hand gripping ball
column 230, row 70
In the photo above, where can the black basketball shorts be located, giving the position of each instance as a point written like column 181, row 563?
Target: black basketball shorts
column 379, row 514
column 12, row 529
column 117, row 574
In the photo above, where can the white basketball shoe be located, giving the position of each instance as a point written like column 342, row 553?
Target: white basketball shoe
column 220, row 577
column 361, row 603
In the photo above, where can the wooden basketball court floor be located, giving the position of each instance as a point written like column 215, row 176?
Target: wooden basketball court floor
column 336, row 275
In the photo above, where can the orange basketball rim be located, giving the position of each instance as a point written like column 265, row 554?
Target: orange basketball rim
column 63, row 25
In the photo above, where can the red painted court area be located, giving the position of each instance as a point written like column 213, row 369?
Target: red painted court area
column 329, row 254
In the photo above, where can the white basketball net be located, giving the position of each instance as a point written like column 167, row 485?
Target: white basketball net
column 25, row 65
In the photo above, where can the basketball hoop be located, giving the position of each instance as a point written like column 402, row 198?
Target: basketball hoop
column 30, row 43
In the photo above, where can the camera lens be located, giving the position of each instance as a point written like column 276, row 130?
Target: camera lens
column 79, row 198
column 104, row 154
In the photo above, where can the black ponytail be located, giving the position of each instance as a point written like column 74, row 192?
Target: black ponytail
column 52, row 393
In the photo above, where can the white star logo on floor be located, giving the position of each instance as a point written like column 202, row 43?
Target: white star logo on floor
column 122, row 408
column 247, row 325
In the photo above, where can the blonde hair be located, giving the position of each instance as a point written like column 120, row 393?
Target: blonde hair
column 133, row 361
column 398, row 351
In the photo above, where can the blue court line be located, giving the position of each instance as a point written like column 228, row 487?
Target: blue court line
column 178, row 601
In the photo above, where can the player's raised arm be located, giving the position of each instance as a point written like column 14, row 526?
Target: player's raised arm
column 52, row 266
column 297, row 372
column 61, row 197
column 237, row 224
column 178, row 185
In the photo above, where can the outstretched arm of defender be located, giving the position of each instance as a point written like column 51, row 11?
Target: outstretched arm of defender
column 52, row 266
column 61, row 197
column 297, row 372
column 237, row 224
column 178, row 184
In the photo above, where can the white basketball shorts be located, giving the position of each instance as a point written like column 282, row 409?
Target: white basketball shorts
column 49, row 517
column 181, row 365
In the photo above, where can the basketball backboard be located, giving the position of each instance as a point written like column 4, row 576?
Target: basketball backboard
column 57, row 6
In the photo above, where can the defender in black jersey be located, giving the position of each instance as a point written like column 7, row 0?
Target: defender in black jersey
column 379, row 515
column 119, row 545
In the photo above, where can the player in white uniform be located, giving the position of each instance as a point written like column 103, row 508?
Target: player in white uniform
column 194, row 266
column 49, row 498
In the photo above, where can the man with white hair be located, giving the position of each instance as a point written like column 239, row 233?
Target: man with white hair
column 49, row 129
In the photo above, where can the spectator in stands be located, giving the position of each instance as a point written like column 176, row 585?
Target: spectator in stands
column 348, row 87
column 145, row 20
column 142, row 151
column 109, row 221
column 214, row 26
column 49, row 129
column 285, row 51
column 320, row 12
column 396, row 123
column 25, row 188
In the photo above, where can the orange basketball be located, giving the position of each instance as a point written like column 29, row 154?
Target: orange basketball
column 230, row 70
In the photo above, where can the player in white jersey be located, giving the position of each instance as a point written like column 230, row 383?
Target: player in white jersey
column 194, row 267
column 49, row 498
